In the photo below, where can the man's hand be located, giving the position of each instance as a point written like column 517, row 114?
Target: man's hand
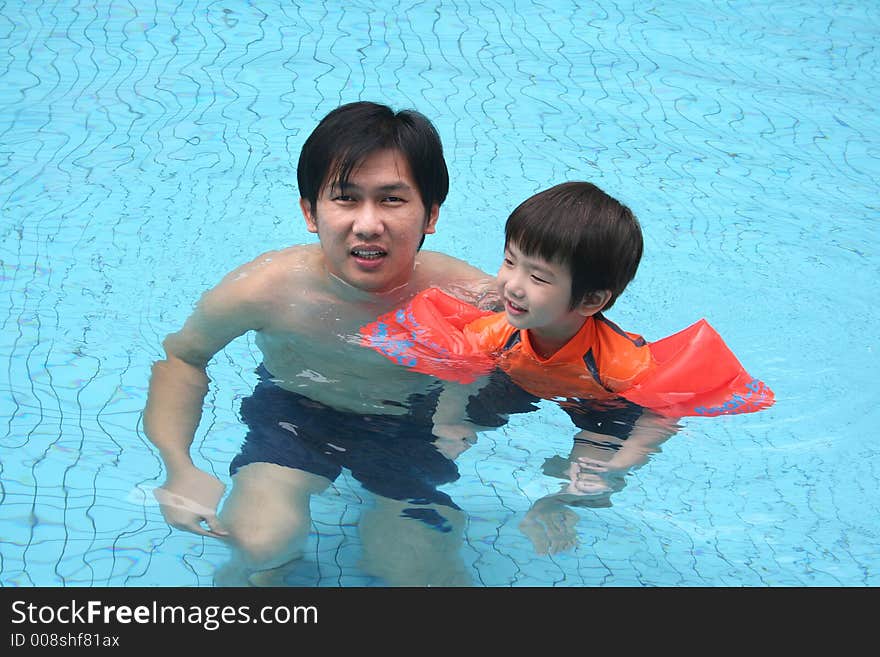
column 190, row 497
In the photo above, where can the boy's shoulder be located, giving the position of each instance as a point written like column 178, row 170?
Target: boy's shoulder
column 622, row 356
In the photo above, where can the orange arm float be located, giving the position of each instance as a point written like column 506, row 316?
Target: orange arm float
column 426, row 336
column 694, row 372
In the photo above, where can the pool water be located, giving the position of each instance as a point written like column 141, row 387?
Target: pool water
column 148, row 148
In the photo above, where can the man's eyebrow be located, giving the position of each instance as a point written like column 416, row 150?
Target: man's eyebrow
column 394, row 186
column 340, row 186
column 390, row 187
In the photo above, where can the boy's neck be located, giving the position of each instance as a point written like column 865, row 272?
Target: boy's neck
column 546, row 342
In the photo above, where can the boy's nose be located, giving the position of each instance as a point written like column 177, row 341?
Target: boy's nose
column 513, row 287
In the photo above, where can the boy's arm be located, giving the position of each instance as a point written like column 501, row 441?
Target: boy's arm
column 177, row 390
column 594, row 470
column 649, row 432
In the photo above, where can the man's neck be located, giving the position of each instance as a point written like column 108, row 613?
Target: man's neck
column 383, row 299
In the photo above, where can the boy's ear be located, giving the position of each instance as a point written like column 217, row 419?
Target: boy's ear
column 593, row 302
column 306, row 207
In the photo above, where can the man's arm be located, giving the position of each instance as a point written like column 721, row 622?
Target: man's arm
column 462, row 280
column 177, row 390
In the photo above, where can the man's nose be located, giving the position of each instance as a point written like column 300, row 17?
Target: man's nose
column 368, row 221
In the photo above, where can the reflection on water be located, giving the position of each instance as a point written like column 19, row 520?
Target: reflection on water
column 410, row 531
column 146, row 147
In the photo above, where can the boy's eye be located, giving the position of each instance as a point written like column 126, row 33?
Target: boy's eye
column 538, row 279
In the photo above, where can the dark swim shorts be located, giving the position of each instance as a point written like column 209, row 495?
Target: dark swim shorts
column 390, row 455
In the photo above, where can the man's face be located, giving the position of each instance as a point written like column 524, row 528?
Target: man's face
column 371, row 228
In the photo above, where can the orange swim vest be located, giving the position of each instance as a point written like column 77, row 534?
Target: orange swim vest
column 689, row 373
column 599, row 360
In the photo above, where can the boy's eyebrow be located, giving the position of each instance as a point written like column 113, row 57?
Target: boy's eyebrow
column 540, row 268
column 531, row 263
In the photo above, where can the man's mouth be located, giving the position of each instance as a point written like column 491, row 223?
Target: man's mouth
column 368, row 252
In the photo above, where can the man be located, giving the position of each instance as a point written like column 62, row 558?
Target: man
column 371, row 185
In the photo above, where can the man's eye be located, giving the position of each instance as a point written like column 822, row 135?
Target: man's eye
column 343, row 197
column 393, row 199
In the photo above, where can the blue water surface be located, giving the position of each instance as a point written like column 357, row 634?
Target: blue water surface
column 147, row 148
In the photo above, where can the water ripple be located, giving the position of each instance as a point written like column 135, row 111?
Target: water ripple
column 146, row 147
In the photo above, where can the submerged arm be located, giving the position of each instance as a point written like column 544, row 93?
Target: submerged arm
column 177, row 390
column 594, row 470
column 649, row 432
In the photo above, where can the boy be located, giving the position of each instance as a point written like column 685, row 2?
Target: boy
column 570, row 251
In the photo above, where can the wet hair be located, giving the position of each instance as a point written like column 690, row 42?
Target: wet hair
column 578, row 225
column 351, row 133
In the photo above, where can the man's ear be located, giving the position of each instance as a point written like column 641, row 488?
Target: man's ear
column 593, row 302
column 311, row 220
column 431, row 222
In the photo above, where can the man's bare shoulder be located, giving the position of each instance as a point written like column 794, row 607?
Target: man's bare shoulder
column 250, row 297
column 258, row 286
column 273, row 269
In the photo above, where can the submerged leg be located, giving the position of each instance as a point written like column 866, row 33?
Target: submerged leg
column 414, row 544
column 267, row 515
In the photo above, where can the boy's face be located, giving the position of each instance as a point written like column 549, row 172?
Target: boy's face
column 537, row 295
column 371, row 229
